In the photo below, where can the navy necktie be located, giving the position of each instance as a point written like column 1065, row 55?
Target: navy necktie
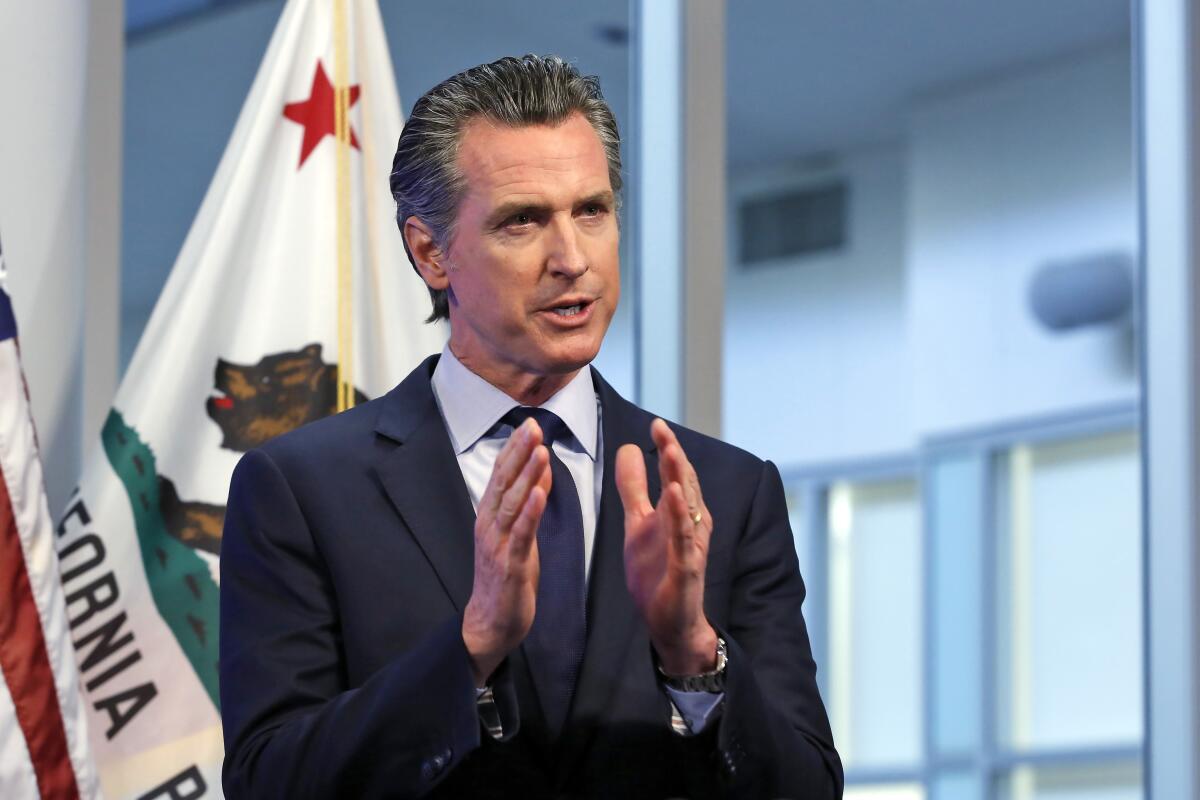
column 555, row 643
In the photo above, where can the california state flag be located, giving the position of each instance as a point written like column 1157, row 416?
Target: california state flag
column 292, row 298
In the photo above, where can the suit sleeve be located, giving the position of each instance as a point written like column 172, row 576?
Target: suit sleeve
column 292, row 726
column 773, row 739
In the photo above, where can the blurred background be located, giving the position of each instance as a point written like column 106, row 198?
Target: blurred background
column 923, row 304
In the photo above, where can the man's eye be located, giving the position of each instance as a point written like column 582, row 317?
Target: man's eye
column 593, row 210
column 520, row 219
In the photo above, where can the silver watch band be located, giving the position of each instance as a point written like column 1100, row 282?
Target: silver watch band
column 704, row 682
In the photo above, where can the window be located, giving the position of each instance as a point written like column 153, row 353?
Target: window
column 980, row 613
column 1069, row 598
column 875, row 622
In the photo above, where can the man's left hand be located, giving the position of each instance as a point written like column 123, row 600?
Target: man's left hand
column 666, row 551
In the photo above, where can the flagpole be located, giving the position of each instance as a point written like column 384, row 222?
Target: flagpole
column 345, row 262
column 371, row 220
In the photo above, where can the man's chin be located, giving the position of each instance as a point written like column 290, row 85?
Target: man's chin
column 561, row 364
column 576, row 353
column 565, row 364
column 567, row 352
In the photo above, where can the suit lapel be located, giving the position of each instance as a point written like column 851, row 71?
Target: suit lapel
column 611, row 614
column 423, row 480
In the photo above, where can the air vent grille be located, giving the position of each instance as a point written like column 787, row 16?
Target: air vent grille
column 793, row 224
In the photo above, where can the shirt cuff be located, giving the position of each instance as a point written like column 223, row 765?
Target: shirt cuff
column 691, row 712
column 489, row 715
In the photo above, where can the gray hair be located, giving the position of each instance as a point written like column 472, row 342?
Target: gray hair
column 531, row 90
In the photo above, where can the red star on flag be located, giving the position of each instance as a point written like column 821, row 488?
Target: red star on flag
column 317, row 113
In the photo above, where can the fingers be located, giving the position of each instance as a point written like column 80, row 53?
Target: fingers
column 631, row 481
column 679, row 514
column 523, row 534
column 513, row 501
column 547, row 477
column 661, row 433
column 674, row 467
column 509, row 464
column 672, row 463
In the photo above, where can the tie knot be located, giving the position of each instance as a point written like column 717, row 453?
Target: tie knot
column 553, row 428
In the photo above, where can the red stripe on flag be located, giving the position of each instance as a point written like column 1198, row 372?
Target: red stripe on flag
column 26, row 666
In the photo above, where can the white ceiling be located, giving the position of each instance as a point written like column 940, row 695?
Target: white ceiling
column 807, row 76
column 804, row 76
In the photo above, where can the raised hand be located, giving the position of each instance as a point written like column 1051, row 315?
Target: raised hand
column 666, row 551
column 504, row 595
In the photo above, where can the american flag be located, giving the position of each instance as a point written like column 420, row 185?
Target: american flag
column 43, row 738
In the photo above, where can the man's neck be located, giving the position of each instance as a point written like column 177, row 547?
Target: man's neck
column 525, row 388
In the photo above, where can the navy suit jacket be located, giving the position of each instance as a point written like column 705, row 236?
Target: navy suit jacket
column 346, row 565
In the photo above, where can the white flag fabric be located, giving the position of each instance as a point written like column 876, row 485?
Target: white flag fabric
column 43, row 728
column 243, row 344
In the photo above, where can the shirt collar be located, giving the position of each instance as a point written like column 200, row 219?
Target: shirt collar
column 471, row 406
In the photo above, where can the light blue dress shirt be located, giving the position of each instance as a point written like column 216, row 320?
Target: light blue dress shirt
column 471, row 407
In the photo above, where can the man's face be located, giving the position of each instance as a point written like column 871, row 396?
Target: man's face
column 533, row 266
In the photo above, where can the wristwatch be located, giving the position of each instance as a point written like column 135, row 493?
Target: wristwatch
column 704, row 682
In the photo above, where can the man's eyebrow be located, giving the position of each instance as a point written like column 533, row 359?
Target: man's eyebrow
column 506, row 210
column 536, row 207
column 605, row 197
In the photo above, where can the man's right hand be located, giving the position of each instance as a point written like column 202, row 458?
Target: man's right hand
column 504, row 595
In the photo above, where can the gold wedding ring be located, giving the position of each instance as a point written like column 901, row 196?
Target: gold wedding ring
column 696, row 517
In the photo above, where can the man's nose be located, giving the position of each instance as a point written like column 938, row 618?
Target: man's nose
column 566, row 256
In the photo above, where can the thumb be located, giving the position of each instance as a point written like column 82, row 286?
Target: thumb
column 631, row 481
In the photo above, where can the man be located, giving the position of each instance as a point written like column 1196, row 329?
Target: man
column 502, row 579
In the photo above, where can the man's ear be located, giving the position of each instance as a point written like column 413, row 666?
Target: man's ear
column 430, row 259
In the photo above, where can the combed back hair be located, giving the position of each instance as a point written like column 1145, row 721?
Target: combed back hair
column 530, row 90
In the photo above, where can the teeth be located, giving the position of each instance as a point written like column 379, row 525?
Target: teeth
column 569, row 311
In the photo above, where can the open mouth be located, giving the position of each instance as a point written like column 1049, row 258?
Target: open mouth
column 572, row 311
column 219, row 400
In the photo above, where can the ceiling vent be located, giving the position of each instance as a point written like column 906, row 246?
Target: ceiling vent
column 792, row 224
